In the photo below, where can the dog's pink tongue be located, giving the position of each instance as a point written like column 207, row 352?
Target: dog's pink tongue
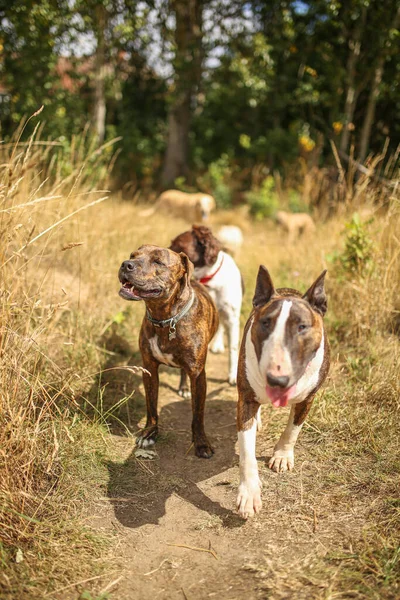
column 278, row 396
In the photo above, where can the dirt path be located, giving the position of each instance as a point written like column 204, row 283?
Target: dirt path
column 155, row 506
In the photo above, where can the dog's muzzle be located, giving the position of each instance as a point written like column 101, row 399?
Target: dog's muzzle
column 133, row 290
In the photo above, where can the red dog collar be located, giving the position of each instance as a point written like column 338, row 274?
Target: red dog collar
column 207, row 278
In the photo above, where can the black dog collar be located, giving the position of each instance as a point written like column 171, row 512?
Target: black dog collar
column 172, row 321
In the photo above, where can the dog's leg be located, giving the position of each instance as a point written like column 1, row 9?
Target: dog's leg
column 283, row 457
column 184, row 390
column 259, row 420
column 233, row 336
column 148, row 435
column 249, row 495
column 198, row 385
column 217, row 345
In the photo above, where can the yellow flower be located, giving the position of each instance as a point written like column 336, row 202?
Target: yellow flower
column 306, row 143
column 311, row 71
column 337, row 127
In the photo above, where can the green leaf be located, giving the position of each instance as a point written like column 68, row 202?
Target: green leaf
column 119, row 318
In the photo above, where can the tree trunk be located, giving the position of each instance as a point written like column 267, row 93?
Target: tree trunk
column 187, row 65
column 352, row 93
column 374, row 95
column 176, row 157
column 99, row 112
column 370, row 112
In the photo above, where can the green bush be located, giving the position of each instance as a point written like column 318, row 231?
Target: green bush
column 357, row 255
column 358, row 251
column 218, row 173
column 263, row 202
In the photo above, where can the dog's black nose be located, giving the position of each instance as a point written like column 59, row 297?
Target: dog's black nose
column 277, row 381
column 128, row 265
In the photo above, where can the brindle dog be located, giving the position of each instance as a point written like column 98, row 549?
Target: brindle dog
column 180, row 321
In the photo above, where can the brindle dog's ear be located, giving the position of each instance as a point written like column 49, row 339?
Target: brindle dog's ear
column 188, row 267
column 264, row 288
column 208, row 242
column 316, row 296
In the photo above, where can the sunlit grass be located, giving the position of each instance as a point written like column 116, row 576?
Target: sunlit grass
column 62, row 323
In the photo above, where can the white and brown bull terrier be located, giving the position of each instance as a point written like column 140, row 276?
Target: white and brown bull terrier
column 284, row 359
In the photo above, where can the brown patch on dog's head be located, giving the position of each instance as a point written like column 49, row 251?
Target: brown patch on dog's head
column 186, row 242
column 199, row 244
column 209, row 244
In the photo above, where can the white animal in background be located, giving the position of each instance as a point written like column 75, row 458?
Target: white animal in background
column 217, row 270
column 191, row 207
column 231, row 238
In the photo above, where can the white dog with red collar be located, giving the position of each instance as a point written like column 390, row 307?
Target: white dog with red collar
column 217, row 270
column 224, row 282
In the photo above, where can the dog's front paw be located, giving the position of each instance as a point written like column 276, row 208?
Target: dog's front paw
column 185, row 393
column 281, row 461
column 203, row 448
column 232, row 379
column 147, row 437
column 249, row 500
column 217, row 347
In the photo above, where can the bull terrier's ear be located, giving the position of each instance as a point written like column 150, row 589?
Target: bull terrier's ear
column 264, row 288
column 316, row 296
column 188, row 267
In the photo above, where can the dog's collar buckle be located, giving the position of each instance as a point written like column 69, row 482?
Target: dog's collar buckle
column 171, row 322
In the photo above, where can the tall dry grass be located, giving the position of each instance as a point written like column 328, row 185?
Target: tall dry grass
column 61, row 241
column 43, row 193
column 61, row 244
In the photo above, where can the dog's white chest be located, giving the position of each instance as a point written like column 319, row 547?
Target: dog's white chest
column 165, row 359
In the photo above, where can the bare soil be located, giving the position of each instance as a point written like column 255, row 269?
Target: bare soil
column 178, row 534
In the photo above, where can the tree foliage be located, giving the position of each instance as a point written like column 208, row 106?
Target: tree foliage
column 188, row 82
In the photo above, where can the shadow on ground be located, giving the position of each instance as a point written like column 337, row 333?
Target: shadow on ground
column 139, row 490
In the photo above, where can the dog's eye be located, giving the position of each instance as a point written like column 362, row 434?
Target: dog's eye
column 301, row 327
column 159, row 262
column 266, row 323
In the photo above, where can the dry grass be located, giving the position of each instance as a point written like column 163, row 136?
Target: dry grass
column 43, row 477
column 62, row 322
